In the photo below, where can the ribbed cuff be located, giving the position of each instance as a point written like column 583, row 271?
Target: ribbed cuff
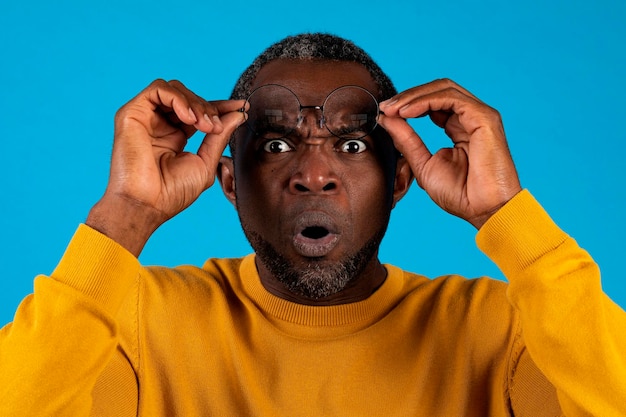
column 98, row 267
column 518, row 234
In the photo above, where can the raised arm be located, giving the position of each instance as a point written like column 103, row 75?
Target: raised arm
column 152, row 177
column 66, row 338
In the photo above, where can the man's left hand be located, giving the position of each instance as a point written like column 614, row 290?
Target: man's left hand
column 476, row 176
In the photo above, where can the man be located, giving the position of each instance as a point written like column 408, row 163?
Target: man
column 313, row 323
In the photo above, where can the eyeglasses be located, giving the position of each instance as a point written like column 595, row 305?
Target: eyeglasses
column 348, row 112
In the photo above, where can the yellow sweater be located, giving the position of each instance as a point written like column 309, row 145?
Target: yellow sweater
column 104, row 336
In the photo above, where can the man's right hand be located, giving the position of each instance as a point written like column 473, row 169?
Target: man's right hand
column 152, row 178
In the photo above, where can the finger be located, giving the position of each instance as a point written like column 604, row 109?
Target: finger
column 167, row 97
column 215, row 109
column 445, row 101
column 227, row 106
column 394, row 104
column 172, row 119
column 444, row 84
column 203, row 112
column 443, row 107
column 440, row 118
column 424, row 89
column 408, row 143
column 212, row 112
column 213, row 144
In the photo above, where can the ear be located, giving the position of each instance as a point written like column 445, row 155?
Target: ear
column 226, row 177
column 403, row 180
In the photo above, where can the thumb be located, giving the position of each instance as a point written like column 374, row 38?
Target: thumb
column 213, row 144
column 408, row 143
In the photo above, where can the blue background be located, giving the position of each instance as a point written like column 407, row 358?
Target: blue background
column 554, row 69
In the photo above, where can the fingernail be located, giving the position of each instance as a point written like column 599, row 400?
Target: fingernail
column 388, row 102
column 192, row 115
column 217, row 121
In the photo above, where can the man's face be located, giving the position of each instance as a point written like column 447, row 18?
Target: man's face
column 314, row 206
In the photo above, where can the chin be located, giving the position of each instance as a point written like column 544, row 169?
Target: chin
column 315, row 277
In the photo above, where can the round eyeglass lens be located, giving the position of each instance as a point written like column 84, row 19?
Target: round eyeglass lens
column 350, row 112
column 273, row 111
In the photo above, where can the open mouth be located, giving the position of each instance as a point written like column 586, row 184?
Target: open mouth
column 315, row 234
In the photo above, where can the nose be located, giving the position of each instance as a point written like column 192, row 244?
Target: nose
column 314, row 173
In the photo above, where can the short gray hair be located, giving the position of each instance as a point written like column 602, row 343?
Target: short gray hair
column 314, row 46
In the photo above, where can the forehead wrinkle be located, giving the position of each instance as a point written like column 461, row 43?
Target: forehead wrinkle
column 307, row 94
column 305, row 77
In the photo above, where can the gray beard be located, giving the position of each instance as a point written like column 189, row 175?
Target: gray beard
column 317, row 278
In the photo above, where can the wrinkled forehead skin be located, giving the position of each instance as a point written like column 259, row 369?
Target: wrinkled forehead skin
column 312, row 80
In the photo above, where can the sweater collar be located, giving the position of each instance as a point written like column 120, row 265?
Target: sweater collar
column 359, row 314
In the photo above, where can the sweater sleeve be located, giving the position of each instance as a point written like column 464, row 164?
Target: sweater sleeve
column 574, row 332
column 64, row 334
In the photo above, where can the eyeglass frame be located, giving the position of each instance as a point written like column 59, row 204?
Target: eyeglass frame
column 319, row 107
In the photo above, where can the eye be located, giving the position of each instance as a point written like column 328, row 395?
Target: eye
column 353, row 146
column 276, row 146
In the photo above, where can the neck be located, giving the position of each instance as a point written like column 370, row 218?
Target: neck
column 360, row 287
